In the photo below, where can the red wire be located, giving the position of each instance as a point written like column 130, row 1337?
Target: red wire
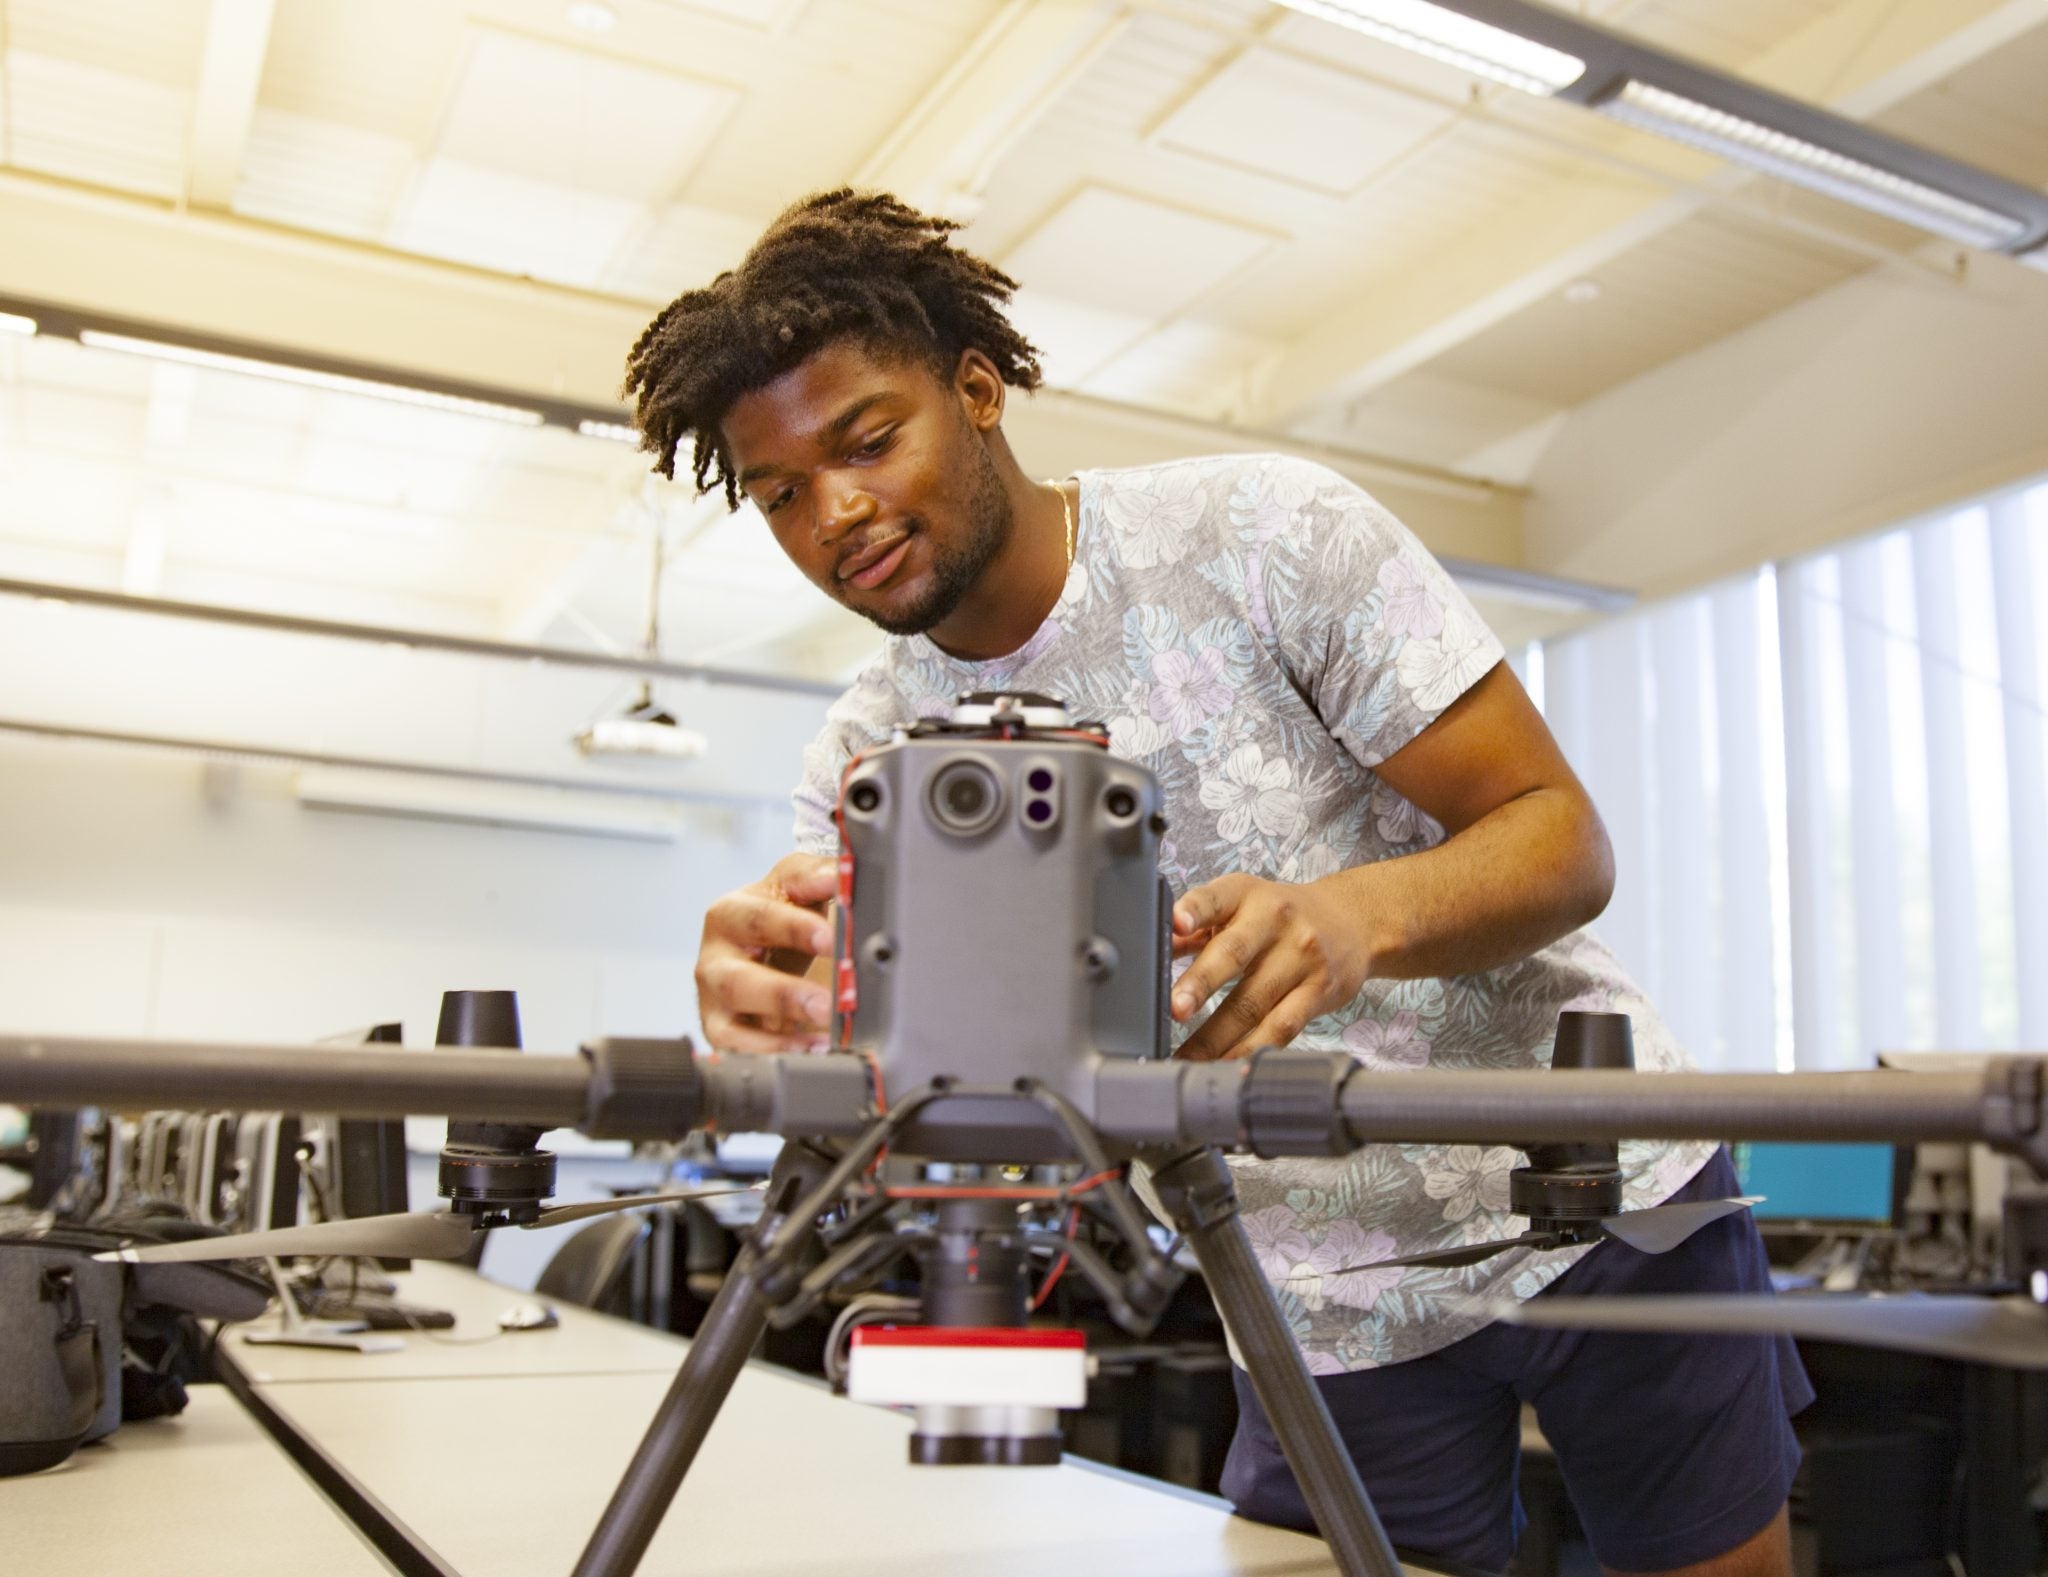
column 1052, row 1277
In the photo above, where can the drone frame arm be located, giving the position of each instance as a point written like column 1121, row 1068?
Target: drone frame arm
column 1196, row 1188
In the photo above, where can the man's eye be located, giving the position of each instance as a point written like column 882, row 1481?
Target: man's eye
column 777, row 500
column 876, row 444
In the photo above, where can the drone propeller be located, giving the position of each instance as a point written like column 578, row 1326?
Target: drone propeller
column 412, row 1234
column 1465, row 1254
column 1657, row 1230
column 1661, row 1228
column 2009, row 1331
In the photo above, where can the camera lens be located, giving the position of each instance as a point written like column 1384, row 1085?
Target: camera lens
column 964, row 797
column 1121, row 803
column 864, row 796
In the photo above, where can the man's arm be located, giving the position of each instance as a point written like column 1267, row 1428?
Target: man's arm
column 1524, row 861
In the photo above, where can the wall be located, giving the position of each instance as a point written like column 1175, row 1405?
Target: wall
column 146, row 892
column 1885, row 398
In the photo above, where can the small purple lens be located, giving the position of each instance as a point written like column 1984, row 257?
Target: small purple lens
column 1038, row 812
column 1040, row 780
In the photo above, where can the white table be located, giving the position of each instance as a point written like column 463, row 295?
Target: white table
column 207, row 1491
column 497, row 1459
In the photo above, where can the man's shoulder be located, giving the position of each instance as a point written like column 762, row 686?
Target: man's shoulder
column 1210, row 468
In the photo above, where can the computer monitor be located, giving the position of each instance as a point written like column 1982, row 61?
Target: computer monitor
column 1826, row 1187
column 366, row 1155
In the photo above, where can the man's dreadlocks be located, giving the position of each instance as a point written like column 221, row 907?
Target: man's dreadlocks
column 841, row 264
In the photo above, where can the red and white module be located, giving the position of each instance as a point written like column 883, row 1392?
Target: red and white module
column 967, row 1366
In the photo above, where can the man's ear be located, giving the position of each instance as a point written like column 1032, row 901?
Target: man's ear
column 981, row 390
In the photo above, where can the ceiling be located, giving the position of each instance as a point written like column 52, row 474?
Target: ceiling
column 1270, row 227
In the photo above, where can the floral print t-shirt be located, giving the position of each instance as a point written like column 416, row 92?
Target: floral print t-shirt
column 1261, row 634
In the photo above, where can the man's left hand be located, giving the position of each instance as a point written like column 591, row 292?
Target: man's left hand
column 1296, row 951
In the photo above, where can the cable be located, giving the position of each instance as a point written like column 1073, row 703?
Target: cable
column 1052, row 1277
column 867, row 1308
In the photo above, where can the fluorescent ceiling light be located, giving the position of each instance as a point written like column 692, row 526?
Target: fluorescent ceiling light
column 487, row 804
column 1810, row 165
column 310, row 378
column 15, row 323
column 616, row 432
column 2038, row 258
column 1460, row 41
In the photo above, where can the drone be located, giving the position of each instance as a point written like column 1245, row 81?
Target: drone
column 1053, row 1062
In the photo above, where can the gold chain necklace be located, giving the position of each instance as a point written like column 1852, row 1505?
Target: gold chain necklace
column 1066, row 510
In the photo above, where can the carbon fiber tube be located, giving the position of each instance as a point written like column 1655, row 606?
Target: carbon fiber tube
column 128, row 1075
column 1197, row 1190
column 1507, row 1108
column 717, row 1353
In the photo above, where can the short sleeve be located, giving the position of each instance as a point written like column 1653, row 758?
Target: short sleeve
column 867, row 715
column 1371, row 627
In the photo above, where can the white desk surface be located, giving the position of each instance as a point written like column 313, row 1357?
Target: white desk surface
column 500, row 1457
column 207, row 1491
column 584, row 1343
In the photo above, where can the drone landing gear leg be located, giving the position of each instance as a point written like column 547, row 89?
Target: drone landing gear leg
column 1196, row 1189
column 732, row 1325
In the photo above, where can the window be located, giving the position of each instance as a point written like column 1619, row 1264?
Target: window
column 1824, row 782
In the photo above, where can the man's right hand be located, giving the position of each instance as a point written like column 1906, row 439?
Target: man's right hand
column 744, row 1000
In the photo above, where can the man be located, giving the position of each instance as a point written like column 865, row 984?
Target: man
column 1376, row 843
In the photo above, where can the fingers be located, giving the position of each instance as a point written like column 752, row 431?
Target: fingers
column 746, row 1005
column 731, row 1034
column 757, row 920
column 1227, row 955
column 742, row 987
column 744, row 1002
column 1205, row 907
column 1244, row 1022
column 804, row 878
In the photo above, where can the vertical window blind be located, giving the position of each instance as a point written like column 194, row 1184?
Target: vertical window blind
column 1825, row 785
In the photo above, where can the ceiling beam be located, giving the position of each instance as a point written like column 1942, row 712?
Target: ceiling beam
column 941, row 155
column 1858, row 60
column 230, row 72
column 214, row 274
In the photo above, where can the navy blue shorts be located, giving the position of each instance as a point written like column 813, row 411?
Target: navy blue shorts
column 1675, row 1449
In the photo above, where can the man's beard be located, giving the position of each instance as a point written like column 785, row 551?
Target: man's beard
column 955, row 569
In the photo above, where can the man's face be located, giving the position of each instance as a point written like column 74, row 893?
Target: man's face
column 876, row 480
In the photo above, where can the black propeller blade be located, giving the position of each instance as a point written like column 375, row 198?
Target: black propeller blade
column 2008, row 1331
column 412, row 1234
column 1661, row 1228
column 1657, row 1230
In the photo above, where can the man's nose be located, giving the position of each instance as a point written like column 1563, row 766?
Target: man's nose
column 842, row 509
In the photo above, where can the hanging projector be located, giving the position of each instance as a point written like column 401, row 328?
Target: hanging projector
column 644, row 729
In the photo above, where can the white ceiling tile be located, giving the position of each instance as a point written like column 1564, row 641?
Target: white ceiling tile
column 1074, row 339
column 320, row 174
column 768, row 15
column 579, row 119
column 1306, row 124
column 1192, row 366
column 160, row 41
column 87, row 123
column 685, row 248
column 506, row 222
column 1131, row 254
column 381, row 65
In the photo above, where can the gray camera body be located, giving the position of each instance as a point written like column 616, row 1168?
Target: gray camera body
column 1008, row 920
